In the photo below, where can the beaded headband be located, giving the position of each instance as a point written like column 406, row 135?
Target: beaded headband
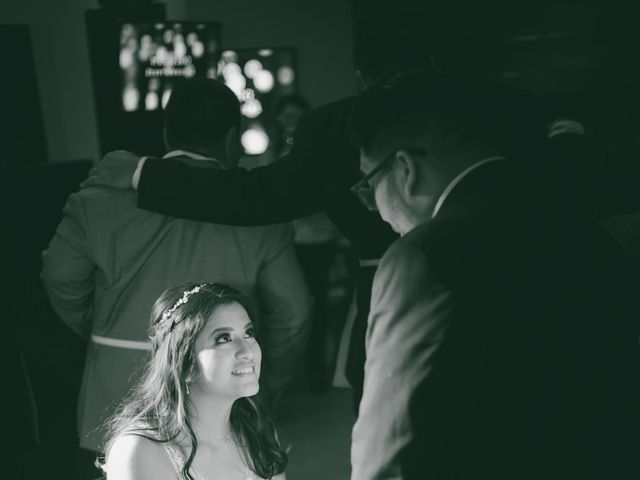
column 184, row 299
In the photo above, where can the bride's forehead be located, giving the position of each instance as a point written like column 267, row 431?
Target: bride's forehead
column 231, row 315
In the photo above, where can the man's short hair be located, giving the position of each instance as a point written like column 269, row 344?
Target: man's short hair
column 381, row 56
column 423, row 105
column 200, row 110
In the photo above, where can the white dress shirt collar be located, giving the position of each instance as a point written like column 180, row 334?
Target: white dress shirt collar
column 195, row 156
column 457, row 180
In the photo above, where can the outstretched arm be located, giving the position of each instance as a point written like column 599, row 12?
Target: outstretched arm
column 321, row 162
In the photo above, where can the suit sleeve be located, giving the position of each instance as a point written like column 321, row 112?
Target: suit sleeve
column 286, row 306
column 299, row 184
column 405, row 405
column 68, row 269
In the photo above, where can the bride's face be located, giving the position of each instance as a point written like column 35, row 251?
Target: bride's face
column 227, row 354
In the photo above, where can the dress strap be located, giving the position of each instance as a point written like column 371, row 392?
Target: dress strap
column 176, row 458
column 178, row 461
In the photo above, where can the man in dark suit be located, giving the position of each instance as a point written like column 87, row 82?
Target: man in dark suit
column 500, row 341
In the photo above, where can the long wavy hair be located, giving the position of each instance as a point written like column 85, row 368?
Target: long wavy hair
column 158, row 407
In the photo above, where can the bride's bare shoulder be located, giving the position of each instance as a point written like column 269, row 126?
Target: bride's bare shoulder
column 133, row 457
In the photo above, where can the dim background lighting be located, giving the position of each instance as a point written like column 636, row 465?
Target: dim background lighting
column 164, row 52
column 260, row 77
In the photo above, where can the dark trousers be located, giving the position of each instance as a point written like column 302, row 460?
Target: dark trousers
column 315, row 261
column 357, row 355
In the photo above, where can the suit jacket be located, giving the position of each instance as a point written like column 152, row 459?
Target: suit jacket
column 109, row 261
column 500, row 345
column 315, row 176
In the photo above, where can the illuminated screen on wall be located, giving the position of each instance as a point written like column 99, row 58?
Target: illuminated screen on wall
column 259, row 77
column 154, row 55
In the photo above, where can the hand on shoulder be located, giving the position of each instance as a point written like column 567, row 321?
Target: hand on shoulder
column 114, row 170
column 133, row 457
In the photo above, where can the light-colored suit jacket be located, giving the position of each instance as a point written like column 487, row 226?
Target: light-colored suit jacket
column 109, row 261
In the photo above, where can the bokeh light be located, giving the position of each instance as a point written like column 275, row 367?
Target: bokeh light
column 126, row 58
column 252, row 108
column 236, row 83
column 286, row 75
column 130, row 98
column 165, row 52
column 255, row 141
column 165, row 97
column 263, row 81
column 151, row 101
column 252, row 67
column 197, row 49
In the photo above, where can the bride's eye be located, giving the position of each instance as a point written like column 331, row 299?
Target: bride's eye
column 223, row 338
column 250, row 333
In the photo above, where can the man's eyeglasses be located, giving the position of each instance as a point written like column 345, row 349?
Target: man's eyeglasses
column 363, row 188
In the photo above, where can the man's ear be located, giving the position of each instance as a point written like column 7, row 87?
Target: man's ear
column 408, row 172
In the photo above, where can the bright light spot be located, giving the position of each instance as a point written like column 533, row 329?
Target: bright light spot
column 130, row 98
column 151, row 101
column 231, row 70
column 252, row 67
column 144, row 53
column 265, row 52
column 159, row 26
column 251, row 108
column 247, row 94
column 128, row 30
column 167, row 36
column 161, row 55
column 263, row 81
column 229, row 56
column 126, row 59
column 189, row 71
column 192, row 38
column 212, row 72
column 254, row 141
column 180, row 49
column 286, row 75
column 165, row 97
column 197, row 49
column 236, row 83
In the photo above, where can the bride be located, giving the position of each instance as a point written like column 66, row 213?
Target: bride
column 194, row 414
